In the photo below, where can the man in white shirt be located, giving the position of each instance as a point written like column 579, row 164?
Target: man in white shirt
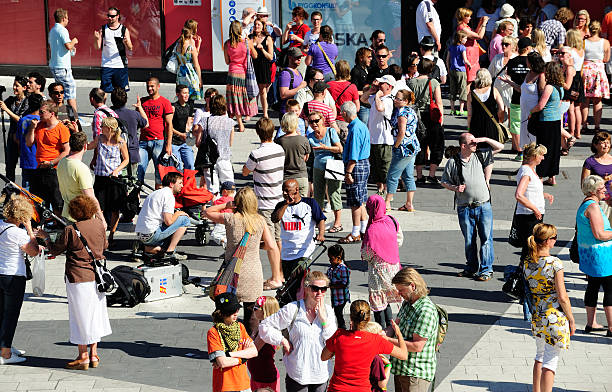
column 381, row 141
column 113, row 39
column 159, row 227
column 428, row 22
column 62, row 48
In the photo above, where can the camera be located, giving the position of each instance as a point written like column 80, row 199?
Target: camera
column 2, row 89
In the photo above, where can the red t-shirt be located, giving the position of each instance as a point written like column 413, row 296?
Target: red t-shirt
column 342, row 91
column 606, row 25
column 300, row 31
column 354, row 351
column 323, row 108
column 235, row 378
column 155, row 109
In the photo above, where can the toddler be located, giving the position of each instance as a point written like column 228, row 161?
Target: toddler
column 380, row 370
column 228, row 189
column 264, row 373
column 339, row 276
column 456, row 62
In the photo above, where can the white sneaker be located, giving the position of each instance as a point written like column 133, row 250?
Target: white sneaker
column 17, row 351
column 13, row 359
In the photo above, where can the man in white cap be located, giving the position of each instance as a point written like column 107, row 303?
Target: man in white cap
column 506, row 13
column 381, row 141
column 273, row 30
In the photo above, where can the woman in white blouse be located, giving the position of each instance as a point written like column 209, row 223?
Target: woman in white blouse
column 310, row 322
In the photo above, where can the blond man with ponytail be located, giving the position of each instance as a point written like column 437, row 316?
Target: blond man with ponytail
column 551, row 326
column 356, row 348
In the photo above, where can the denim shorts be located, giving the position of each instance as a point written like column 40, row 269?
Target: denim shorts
column 64, row 76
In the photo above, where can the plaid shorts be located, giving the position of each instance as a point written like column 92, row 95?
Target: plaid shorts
column 64, row 76
column 357, row 192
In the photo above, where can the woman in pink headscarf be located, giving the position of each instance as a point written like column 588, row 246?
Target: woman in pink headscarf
column 381, row 250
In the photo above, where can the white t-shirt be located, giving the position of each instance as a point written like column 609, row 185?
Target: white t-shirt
column 298, row 228
column 199, row 118
column 378, row 123
column 427, row 13
column 310, row 38
column 157, row 203
column 11, row 256
column 439, row 63
column 400, row 85
column 110, row 53
column 492, row 18
column 534, row 191
column 60, row 56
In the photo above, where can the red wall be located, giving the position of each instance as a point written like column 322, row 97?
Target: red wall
column 595, row 7
column 22, row 29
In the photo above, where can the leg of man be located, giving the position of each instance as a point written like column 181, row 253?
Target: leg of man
column 318, row 186
column 106, row 79
column 410, row 384
column 12, row 156
column 317, row 387
column 170, row 234
column 186, row 154
column 273, row 227
column 26, row 178
column 176, row 151
column 468, row 229
column 121, row 78
column 485, row 232
column 145, row 154
column 247, row 312
column 292, row 386
column 303, row 184
column 385, row 161
column 158, row 148
column 338, row 311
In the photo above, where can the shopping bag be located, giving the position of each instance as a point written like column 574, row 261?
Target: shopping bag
column 38, row 274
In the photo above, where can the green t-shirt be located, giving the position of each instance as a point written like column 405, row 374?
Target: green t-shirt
column 73, row 176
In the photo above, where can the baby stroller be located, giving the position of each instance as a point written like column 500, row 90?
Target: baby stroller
column 288, row 291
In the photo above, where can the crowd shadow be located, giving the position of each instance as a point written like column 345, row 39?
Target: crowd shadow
column 46, row 362
column 138, row 349
column 182, row 316
column 503, row 386
column 46, row 298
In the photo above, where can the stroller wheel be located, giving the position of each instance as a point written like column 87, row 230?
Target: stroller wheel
column 200, row 235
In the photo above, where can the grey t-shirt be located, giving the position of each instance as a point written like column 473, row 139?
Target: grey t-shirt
column 476, row 189
column 296, row 147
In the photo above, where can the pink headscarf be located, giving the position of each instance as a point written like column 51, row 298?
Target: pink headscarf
column 381, row 234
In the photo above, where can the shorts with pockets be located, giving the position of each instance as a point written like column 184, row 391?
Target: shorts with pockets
column 114, row 77
column 64, row 76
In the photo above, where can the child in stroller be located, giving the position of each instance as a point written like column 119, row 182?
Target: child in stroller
column 228, row 189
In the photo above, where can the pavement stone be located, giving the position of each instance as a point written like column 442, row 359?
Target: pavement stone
column 160, row 346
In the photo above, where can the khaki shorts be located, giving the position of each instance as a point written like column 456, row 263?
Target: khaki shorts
column 273, row 227
column 411, row 384
column 458, row 85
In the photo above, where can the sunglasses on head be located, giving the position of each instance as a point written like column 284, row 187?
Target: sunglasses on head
column 318, row 288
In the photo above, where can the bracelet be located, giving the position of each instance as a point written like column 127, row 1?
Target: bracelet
column 323, row 324
column 387, row 365
column 349, row 173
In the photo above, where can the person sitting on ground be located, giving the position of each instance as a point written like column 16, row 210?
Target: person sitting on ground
column 159, row 227
column 298, row 217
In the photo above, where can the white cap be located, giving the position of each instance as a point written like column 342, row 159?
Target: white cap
column 264, row 11
column 506, row 11
column 390, row 80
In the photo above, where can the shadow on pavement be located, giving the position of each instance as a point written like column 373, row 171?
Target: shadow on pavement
column 499, row 386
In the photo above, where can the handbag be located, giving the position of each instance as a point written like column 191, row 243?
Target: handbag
column 514, row 238
column 515, row 285
column 38, row 274
column 573, row 251
column 533, row 122
column 226, row 280
column 251, row 80
column 400, row 233
column 434, row 110
column 329, row 62
column 503, row 135
column 105, row 282
column 172, row 65
column 334, row 169
column 208, row 152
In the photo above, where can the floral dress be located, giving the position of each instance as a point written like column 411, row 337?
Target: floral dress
column 410, row 144
column 548, row 321
column 381, row 291
column 187, row 75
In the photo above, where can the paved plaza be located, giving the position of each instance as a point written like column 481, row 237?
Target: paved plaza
column 160, row 346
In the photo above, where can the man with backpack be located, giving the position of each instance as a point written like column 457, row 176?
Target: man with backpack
column 113, row 39
column 97, row 99
column 290, row 80
column 467, row 173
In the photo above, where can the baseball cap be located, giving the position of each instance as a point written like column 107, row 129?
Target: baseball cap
column 387, row 79
column 262, row 11
column 294, row 52
column 227, row 303
column 228, row 186
column 427, row 41
column 319, row 87
column 524, row 42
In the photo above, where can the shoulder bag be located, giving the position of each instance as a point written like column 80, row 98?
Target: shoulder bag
column 208, row 152
column 329, row 62
column 226, row 280
column 105, row 282
column 435, row 114
column 515, row 285
column 503, row 135
column 251, row 79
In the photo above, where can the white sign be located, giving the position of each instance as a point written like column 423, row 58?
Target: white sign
column 196, row 3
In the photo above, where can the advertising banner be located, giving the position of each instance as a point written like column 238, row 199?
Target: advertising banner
column 353, row 22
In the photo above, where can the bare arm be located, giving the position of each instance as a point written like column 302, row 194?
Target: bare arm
column 519, row 195
column 29, row 138
column 125, row 159
column 8, row 111
column 214, row 212
column 434, row 34
column 501, row 113
column 606, row 51
column 543, row 99
column 127, row 40
column 593, row 214
column 438, row 99
column 169, row 131
column 70, row 45
column 98, row 37
column 90, row 193
column 308, row 60
column 268, row 49
column 278, row 213
column 31, row 248
column 169, row 218
column 401, row 131
column 564, row 300
column 246, row 171
column 225, row 54
column 326, row 354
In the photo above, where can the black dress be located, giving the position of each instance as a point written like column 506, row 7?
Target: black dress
column 481, row 124
column 263, row 70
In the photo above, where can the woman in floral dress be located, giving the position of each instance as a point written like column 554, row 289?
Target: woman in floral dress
column 188, row 72
column 552, row 322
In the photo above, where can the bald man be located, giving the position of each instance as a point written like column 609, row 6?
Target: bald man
column 298, row 217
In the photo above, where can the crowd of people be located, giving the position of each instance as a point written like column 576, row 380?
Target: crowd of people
column 526, row 74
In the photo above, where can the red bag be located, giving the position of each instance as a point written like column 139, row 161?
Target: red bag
column 435, row 114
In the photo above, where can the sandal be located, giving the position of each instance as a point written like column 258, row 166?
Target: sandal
column 570, row 142
column 267, row 286
column 96, row 363
column 335, row 229
column 78, row 364
column 350, row 239
column 564, row 152
column 406, row 209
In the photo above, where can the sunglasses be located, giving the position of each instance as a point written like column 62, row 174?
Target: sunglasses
column 314, row 120
column 505, row 44
column 382, row 56
column 554, row 237
column 58, row 92
column 256, row 307
column 111, row 15
column 318, row 288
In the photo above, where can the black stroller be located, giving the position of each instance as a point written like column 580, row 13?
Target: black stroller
column 288, row 291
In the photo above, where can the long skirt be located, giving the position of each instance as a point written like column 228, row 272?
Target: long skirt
column 87, row 313
column 238, row 102
column 549, row 135
column 381, row 291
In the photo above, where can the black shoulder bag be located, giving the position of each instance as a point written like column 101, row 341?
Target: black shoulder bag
column 105, row 282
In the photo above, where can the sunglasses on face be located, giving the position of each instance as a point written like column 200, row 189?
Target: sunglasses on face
column 58, row 92
column 111, row 15
column 318, row 288
column 314, row 120
column 554, row 237
column 382, row 56
column 505, row 44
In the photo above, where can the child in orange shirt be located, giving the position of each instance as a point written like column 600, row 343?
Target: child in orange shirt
column 229, row 346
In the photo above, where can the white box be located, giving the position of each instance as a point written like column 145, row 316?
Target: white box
column 165, row 282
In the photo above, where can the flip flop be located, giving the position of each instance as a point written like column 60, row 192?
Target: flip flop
column 350, row 239
column 267, row 286
column 335, row 229
column 406, row 209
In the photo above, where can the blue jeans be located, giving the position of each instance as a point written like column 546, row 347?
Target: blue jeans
column 163, row 233
column 401, row 166
column 149, row 149
column 185, row 154
column 473, row 221
column 363, row 114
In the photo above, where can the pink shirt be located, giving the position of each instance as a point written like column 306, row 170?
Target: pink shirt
column 237, row 57
column 495, row 47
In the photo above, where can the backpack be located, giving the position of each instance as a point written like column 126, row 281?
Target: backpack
column 133, row 287
column 459, row 165
column 208, row 152
column 168, row 53
column 435, row 72
column 119, row 43
column 277, row 105
column 442, row 326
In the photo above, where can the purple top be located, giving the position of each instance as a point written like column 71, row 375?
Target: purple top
column 318, row 59
column 598, row 169
column 284, row 80
column 456, row 58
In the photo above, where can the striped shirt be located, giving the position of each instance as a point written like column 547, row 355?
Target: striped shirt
column 100, row 114
column 108, row 159
column 266, row 163
column 328, row 113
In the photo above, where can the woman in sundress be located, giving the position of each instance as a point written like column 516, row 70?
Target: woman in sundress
column 552, row 322
column 596, row 86
column 188, row 72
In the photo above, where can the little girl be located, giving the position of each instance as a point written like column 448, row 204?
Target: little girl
column 456, row 62
column 380, row 369
column 111, row 156
column 229, row 346
column 264, row 373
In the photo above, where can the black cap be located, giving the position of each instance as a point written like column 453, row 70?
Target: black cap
column 427, row 41
column 228, row 186
column 227, row 303
column 524, row 42
column 319, row 87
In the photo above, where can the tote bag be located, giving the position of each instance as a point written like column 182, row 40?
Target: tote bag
column 251, row 80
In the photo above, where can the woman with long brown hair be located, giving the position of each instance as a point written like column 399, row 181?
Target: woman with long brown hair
column 189, row 72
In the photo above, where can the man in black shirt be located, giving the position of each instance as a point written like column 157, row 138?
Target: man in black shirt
column 381, row 68
column 134, row 120
column 182, row 123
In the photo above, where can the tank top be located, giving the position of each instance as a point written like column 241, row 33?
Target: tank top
column 551, row 111
column 237, row 57
column 578, row 60
column 111, row 58
column 481, row 124
column 593, row 51
column 109, row 158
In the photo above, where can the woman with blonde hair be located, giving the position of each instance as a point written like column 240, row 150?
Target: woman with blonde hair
column 596, row 86
column 264, row 373
column 297, row 150
column 243, row 219
column 576, row 44
column 582, row 20
column 464, row 15
column 235, row 53
column 538, row 39
column 15, row 243
column 356, row 348
column 530, row 196
column 111, row 155
column 497, row 69
column 418, row 322
column 192, row 25
column 552, row 323
column 189, row 72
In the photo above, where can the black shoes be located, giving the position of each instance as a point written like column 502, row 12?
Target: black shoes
column 589, row 329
